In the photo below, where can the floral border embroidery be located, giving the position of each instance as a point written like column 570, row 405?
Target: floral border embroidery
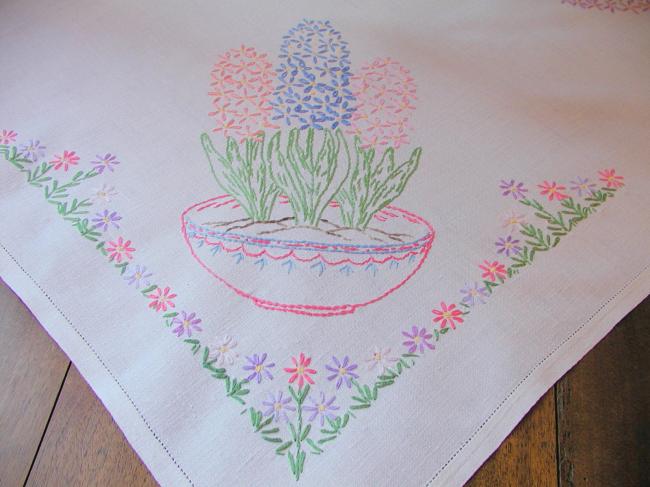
column 297, row 421
column 636, row 6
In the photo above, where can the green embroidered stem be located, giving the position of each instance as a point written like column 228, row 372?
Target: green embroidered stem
column 363, row 398
column 308, row 175
column 374, row 182
column 244, row 173
column 297, row 461
column 56, row 193
column 12, row 155
column 599, row 197
column 556, row 224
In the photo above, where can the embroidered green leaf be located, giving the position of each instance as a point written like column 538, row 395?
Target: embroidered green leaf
column 360, row 406
column 305, row 432
column 196, row 344
column 272, row 440
column 373, row 183
column 243, row 171
column 263, row 424
column 281, row 450
column 325, row 440
column 294, row 433
column 308, row 175
column 316, row 450
column 152, row 288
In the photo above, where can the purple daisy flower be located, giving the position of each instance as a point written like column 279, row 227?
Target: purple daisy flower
column 278, row 406
column 516, row 190
column 103, row 220
column 343, row 371
column 258, row 368
column 107, row 161
column 583, row 186
column 187, row 322
column 473, row 294
column 34, row 150
column 417, row 339
column 507, row 246
column 138, row 276
column 321, row 408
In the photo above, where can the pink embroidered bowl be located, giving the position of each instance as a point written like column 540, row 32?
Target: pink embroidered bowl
column 316, row 272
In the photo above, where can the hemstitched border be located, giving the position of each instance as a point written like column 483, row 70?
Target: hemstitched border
column 101, row 361
column 529, row 374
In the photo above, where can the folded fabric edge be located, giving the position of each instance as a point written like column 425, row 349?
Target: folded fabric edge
column 149, row 447
column 485, row 440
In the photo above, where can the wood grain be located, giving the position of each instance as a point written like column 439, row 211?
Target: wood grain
column 528, row 456
column 32, row 369
column 603, row 409
column 83, row 445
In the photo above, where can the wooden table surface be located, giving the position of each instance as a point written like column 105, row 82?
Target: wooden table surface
column 592, row 428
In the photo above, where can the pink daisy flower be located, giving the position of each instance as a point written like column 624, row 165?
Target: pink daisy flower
column 161, row 299
column 610, row 177
column 447, row 315
column 493, row 270
column 7, row 137
column 69, row 158
column 552, row 190
column 300, row 371
column 119, row 250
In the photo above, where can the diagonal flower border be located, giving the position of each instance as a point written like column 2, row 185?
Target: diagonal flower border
column 300, row 438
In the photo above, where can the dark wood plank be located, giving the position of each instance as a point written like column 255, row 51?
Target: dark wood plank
column 83, row 445
column 603, row 407
column 528, row 456
column 32, row 369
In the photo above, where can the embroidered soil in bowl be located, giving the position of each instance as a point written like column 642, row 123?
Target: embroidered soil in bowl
column 324, row 271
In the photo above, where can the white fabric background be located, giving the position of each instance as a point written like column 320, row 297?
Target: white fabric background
column 524, row 90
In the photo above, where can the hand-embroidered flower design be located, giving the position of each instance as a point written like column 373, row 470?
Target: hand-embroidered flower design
column 381, row 359
column 512, row 221
column 33, row 150
column 278, row 406
column 447, row 315
column 507, row 246
column 636, row 6
column 105, row 219
column 610, row 177
column 187, row 322
column 161, row 299
column 384, row 90
column 300, row 370
column 258, row 368
column 105, row 193
column 107, row 161
column 493, row 270
column 69, row 158
column 139, row 276
column 314, row 77
column 583, row 187
column 343, row 371
column 552, row 190
column 119, row 250
column 223, row 351
column 474, row 293
column 512, row 188
column 321, row 408
column 241, row 87
column 7, row 137
column 418, row 339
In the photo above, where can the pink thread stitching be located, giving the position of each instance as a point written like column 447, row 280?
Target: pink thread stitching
column 306, row 309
